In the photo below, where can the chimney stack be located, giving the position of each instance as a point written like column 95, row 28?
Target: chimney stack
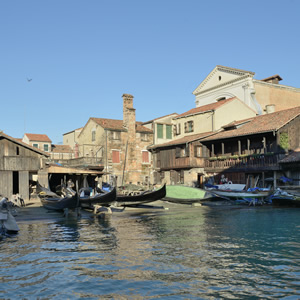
column 129, row 114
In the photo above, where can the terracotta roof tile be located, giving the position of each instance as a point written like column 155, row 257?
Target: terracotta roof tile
column 61, row 149
column 118, row 125
column 38, row 137
column 205, row 108
column 259, row 124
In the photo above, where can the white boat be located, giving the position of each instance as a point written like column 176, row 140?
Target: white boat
column 8, row 223
column 238, row 194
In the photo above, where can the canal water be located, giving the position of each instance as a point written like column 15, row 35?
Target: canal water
column 193, row 253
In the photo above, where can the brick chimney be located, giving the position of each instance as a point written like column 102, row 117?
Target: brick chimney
column 129, row 115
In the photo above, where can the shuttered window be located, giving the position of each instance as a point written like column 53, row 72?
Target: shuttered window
column 115, row 156
column 169, row 131
column 160, row 131
column 145, row 157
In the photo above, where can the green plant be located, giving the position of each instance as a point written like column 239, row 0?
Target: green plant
column 222, row 157
column 284, row 140
column 212, row 158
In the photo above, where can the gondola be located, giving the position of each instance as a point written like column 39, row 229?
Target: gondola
column 103, row 199
column 70, row 201
column 53, row 201
column 143, row 197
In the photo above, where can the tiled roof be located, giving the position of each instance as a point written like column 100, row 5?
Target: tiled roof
column 205, row 108
column 61, row 149
column 293, row 157
column 118, row 125
column 38, row 137
column 259, row 124
column 183, row 140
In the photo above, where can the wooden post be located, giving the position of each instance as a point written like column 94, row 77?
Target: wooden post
column 239, row 147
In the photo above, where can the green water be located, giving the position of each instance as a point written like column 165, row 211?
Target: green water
column 192, row 253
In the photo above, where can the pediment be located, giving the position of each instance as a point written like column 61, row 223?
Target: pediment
column 221, row 75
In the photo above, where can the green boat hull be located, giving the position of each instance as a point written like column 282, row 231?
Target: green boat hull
column 186, row 195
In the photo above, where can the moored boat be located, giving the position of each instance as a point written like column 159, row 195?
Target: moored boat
column 8, row 223
column 105, row 198
column 282, row 198
column 60, row 203
column 188, row 195
column 67, row 200
column 141, row 198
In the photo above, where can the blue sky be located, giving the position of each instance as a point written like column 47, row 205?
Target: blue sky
column 83, row 55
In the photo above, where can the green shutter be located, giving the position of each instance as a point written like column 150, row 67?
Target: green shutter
column 169, row 131
column 159, row 131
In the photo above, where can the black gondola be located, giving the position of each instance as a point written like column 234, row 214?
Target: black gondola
column 103, row 199
column 144, row 197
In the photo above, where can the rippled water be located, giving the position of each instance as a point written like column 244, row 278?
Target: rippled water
column 200, row 253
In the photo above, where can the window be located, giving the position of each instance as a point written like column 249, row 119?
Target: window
column 115, row 156
column 144, row 137
column 160, row 133
column 182, row 151
column 17, row 150
column 116, row 135
column 35, row 145
column 177, row 130
column 46, row 147
column 93, row 135
column 169, row 131
column 198, row 151
column 145, row 157
column 189, row 126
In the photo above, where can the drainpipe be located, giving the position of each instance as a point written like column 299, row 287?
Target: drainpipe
column 213, row 120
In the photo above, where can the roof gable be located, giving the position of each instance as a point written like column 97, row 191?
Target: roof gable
column 221, row 75
column 22, row 144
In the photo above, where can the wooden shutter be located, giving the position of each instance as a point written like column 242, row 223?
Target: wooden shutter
column 115, row 156
column 145, row 156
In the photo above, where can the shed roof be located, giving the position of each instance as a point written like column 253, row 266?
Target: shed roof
column 19, row 142
column 292, row 157
column 260, row 124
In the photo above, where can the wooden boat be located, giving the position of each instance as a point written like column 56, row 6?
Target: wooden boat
column 60, row 203
column 283, row 198
column 141, row 198
column 103, row 199
column 188, row 195
column 67, row 200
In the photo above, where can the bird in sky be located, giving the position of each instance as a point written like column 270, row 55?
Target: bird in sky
column 29, row 79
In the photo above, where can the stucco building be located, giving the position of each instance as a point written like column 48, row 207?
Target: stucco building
column 264, row 96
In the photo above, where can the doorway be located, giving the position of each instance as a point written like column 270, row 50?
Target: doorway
column 15, row 182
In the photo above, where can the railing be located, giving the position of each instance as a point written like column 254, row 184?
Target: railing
column 84, row 162
column 248, row 162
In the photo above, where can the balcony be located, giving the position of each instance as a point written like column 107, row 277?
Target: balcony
column 268, row 161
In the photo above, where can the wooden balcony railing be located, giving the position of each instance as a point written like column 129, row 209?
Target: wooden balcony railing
column 248, row 162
